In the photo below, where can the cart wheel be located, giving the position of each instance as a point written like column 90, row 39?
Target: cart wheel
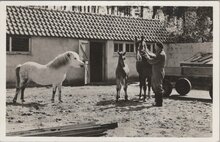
column 167, row 86
column 210, row 91
column 183, row 86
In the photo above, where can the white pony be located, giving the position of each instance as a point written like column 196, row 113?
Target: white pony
column 52, row 73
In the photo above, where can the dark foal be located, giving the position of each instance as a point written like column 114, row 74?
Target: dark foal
column 122, row 71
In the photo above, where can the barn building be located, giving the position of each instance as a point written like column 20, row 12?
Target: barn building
column 39, row 35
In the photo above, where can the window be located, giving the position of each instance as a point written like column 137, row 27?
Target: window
column 73, row 8
column 88, row 8
column 129, row 47
column 125, row 47
column 112, row 10
column 80, row 9
column 127, row 11
column 84, row 7
column 93, row 10
column 118, row 47
column 17, row 44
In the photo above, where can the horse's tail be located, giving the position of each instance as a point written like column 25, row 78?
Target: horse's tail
column 17, row 70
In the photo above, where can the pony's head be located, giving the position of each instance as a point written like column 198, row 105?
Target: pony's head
column 75, row 60
column 121, row 58
column 68, row 58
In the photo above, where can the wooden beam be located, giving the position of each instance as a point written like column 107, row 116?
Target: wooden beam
column 33, row 131
column 70, row 130
column 203, row 64
column 197, row 71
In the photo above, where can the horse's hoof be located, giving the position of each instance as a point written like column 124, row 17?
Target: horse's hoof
column 116, row 100
column 117, row 97
column 60, row 101
column 139, row 96
column 126, row 98
column 14, row 101
column 52, row 100
column 22, row 101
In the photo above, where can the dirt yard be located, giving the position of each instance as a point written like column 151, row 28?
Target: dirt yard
column 179, row 117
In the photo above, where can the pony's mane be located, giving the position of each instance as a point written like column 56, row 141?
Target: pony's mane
column 59, row 61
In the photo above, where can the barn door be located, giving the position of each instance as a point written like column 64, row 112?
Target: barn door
column 84, row 54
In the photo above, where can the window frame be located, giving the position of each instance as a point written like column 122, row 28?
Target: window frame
column 93, row 9
column 129, row 47
column 119, row 43
column 18, row 52
column 124, row 48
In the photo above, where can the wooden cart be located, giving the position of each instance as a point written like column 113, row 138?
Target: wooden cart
column 199, row 65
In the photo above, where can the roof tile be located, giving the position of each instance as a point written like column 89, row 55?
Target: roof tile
column 41, row 22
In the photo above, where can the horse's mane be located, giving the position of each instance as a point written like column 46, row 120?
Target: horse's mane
column 59, row 61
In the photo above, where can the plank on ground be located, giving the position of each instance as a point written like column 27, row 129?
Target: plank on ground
column 69, row 130
column 50, row 129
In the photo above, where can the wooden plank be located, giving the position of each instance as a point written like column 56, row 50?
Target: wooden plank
column 50, row 129
column 86, row 133
column 207, row 61
column 183, row 64
column 74, row 130
column 70, row 130
column 193, row 57
column 205, row 58
column 196, row 58
column 197, row 71
column 75, row 133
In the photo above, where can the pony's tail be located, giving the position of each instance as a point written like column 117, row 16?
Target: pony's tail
column 17, row 70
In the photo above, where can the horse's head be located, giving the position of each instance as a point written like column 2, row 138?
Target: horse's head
column 121, row 58
column 75, row 60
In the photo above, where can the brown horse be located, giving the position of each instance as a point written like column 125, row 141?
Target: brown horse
column 144, row 70
column 121, row 73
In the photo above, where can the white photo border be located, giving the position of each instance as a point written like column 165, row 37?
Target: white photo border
column 215, row 110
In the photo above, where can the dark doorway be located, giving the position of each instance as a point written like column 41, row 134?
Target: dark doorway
column 96, row 61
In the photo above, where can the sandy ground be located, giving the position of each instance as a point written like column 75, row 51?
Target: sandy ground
column 189, row 116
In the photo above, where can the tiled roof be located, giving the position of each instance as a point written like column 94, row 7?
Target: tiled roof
column 41, row 22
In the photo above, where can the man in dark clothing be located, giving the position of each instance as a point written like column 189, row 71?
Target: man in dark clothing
column 158, row 73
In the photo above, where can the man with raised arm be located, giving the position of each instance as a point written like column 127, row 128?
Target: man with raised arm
column 158, row 72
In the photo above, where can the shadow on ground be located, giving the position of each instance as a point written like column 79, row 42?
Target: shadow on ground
column 34, row 105
column 185, row 98
column 122, row 105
